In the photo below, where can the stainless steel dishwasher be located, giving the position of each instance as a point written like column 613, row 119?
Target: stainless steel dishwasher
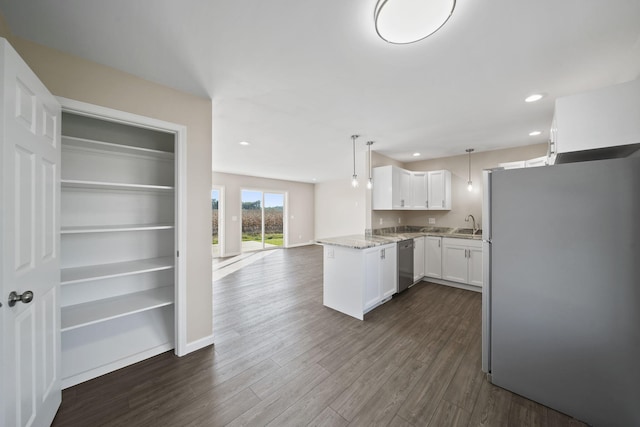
column 405, row 264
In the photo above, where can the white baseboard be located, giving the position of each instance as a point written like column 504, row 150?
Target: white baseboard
column 198, row 344
column 453, row 284
column 297, row 245
column 110, row 367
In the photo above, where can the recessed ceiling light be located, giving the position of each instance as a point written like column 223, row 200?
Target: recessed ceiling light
column 408, row 21
column 535, row 133
column 243, row 143
column 534, row 97
column 416, row 154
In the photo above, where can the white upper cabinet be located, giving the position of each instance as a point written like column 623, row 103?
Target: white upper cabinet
column 439, row 191
column 606, row 117
column 397, row 189
column 420, row 199
column 391, row 188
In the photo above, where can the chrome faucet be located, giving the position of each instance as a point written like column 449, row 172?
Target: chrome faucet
column 474, row 229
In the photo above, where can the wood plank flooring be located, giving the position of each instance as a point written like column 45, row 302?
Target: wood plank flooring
column 283, row 359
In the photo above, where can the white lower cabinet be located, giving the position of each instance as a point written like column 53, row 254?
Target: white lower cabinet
column 358, row 280
column 418, row 259
column 433, row 257
column 462, row 261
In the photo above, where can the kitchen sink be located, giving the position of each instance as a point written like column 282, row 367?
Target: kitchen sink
column 467, row 231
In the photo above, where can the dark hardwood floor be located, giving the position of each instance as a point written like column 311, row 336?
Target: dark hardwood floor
column 283, row 359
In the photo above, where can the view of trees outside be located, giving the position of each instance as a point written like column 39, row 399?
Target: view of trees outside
column 215, row 200
column 252, row 217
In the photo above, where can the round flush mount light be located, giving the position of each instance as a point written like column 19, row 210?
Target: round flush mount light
column 416, row 154
column 535, row 133
column 245, row 143
column 534, row 97
column 409, row 21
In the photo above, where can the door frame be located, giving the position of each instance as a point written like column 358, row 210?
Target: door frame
column 180, row 172
column 221, row 218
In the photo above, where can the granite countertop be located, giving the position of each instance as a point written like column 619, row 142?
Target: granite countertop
column 359, row 241
column 362, row 241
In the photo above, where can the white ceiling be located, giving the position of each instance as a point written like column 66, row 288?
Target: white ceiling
column 297, row 78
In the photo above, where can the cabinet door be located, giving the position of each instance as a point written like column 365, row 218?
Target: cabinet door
column 420, row 198
column 439, row 189
column 433, row 257
column 418, row 259
column 475, row 266
column 388, row 270
column 454, row 261
column 382, row 188
column 401, row 188
column 372, row 290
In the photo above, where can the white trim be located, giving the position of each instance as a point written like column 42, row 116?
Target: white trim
column 180, row 132
column 221, row 219
column 198, row 344
column 110, row 367
column 449, row 283
column 297, row 245
column 232, row 254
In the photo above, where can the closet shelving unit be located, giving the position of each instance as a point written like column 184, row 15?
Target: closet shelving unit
column 118, row 245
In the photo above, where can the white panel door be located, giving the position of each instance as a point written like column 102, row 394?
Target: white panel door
column 454, row 262
column 475, row 266
column 29, row 192
column 418, row 259
column 420, row 196
column 388, row 271
column 437, row 196
column 433, row 257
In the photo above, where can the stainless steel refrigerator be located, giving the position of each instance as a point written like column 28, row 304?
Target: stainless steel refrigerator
column 561, row 304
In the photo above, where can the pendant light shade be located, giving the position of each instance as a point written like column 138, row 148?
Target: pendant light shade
column 408, row 21
column 370, row 181
column 469, row 183
column 354, row 178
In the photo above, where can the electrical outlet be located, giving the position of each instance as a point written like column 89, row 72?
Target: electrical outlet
column 330, row 253
column 234, row 218
column 399, row 220
column 380, row 221
column 432, row 221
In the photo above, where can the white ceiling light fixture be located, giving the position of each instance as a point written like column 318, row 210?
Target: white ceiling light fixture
column 535, row 133
column 409, row 21
column 534, row 97
column 416, row 154
column 354, row 178
column 469, row 183
column 370, row 181
column 244, row 143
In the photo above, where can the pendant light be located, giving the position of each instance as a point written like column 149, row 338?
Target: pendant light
column 469, row 183
column 370, row 182
column 354, row 178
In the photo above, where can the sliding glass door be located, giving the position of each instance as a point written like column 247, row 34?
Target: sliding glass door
column 262, row 220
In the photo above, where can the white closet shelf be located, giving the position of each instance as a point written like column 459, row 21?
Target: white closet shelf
column 105, row 271
column 84, row 143
column 77, row 316
column 113, row 228
column 99, row 185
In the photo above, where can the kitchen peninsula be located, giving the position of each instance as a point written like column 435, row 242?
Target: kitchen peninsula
column 361, row 271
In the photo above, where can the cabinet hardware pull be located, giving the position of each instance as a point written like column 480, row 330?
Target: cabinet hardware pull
column 443, row 203
column 438, row 242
